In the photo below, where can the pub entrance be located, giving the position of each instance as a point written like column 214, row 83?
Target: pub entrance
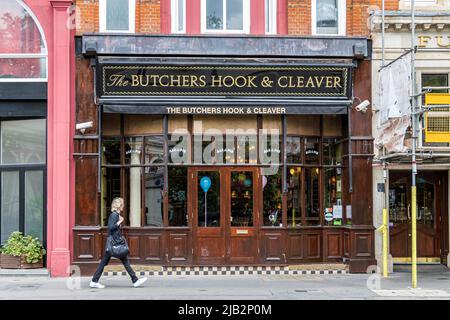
column 432, row 216
column 225, row 214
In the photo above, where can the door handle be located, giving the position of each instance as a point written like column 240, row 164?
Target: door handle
column 408, row 213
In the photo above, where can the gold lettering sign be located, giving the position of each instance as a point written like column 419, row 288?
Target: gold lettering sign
column 214, row 80
column 438, row 41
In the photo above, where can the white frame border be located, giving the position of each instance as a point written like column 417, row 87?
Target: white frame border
column 131, row 17
column 174, row 16
column 342, row 19
column 273, row 13
column 245, row 18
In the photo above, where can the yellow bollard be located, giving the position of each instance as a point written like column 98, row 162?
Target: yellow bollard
column 385, row 242
column 414, row 235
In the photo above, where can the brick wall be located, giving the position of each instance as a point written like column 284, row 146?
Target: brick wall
column 147, row 16
column 299, row 17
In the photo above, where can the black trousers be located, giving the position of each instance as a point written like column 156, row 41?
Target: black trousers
column 105, row 260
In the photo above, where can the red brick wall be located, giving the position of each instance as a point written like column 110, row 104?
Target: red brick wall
column 299, row 17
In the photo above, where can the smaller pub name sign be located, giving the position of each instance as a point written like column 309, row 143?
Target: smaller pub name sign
column 219, row 80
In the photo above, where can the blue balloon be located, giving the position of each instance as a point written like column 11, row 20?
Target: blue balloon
column 205, row 183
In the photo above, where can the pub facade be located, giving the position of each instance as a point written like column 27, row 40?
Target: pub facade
column 237, row 149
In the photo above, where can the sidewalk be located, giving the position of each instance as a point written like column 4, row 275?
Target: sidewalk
column 434, row 282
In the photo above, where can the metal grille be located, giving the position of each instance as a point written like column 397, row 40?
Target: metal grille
column 438, row 124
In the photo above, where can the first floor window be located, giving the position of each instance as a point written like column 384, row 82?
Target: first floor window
column 117, row 15
column 225, row 16
column 328, row 17
column 271, row 16
column 178, row 8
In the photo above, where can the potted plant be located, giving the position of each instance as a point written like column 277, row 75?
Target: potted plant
column 22, row 252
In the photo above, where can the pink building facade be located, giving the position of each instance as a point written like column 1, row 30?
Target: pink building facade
column 36, row 106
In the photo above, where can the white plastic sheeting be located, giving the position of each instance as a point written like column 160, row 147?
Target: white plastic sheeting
column 394, row 104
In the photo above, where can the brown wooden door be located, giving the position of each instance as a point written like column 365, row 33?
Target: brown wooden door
column 430, row 208
column 225, row 217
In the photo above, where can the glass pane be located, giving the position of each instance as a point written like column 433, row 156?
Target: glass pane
column 178, row 210
column 246, row 150
column 133, row 150
column 154, row 150
column 10, row 204
column 332, row 152
column 312, row 151
column 111, row 151
column 327, row 16
column 312, row 195
column 267, row 15
column 234, row 15
column 209, row 202
column 332, row 201
column 272, row 209
column 398, row 201
column 271, row 149
column 154, row 188
column 178, row 149
column 133, row 202
column 425, row 202
column 18, row 31
column 214, row 14
column 117, row 15
column 110, row 190
column 180, row 15
column 11, row 68
column 242, row 199
column 34, row 203
column 293, row 150
column 294, row 210
column 23, row 141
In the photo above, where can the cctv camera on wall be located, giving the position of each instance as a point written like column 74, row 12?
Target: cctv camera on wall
column 362, row 107
column 84, row 125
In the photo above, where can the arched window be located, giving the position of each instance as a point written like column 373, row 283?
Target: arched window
column 23, row 51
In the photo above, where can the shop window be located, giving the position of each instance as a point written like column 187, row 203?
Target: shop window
column 133, row 150
column 23, row 141
column 154, row 150
column 312, row 151
column 271, row 16
column 435, row 81
column 153, row 196
column 10, row 202
column 328, row 17
column 332, row 152
column 179, row 146
column 303, row 125
column 294, row 199
column 178, row 193
column 117, row 16
column 312, row 196
column 272, row 200
column 209, row 202
column 142, row 124
column 293, row 150
column 23, row 52
column 111, row 188
column 111, row 151
column 178, row 15
column 225, row 16
column 332, row 201
column 242, row 199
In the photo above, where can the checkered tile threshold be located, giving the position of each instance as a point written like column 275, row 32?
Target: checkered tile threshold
column 230, row 271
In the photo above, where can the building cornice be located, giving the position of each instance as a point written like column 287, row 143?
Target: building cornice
column 400, row 21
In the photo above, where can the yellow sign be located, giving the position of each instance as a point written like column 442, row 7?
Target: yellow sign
column 438, row 41
column 437, row 120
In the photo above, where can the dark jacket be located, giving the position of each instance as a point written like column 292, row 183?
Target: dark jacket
column 114, row 230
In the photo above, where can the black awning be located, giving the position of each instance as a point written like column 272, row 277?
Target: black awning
column 255, row 109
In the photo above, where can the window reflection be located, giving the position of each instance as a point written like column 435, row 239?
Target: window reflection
column 111, row 151
column 327, row 16
column 294, row 212
column 133, row 150
column 242, row 199
column 154, row 188
column 332, row 152
column 293, row 150
column 312, row 195
column 154, row 150
column 312, row 151
column 178, row 193
column 272, row 208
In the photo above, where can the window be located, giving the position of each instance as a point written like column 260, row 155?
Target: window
column 225, row 16
column 23, row 52
column 117, row 16
column 178, row 8
column 435, row 80
column 22, row 178
column 328, row 17
column 271, row 16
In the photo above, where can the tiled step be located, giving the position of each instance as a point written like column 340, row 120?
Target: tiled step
column 317, row 269
column 42, row 272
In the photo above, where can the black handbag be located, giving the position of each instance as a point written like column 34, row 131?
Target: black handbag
column 117, row 249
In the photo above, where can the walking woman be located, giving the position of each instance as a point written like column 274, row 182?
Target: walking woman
column 115, row 233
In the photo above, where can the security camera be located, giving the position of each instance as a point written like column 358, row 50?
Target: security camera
column 362, row 107
column 84, row 125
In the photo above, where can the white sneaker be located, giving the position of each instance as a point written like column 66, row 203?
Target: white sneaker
column 96, row 285
column 139, row 282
